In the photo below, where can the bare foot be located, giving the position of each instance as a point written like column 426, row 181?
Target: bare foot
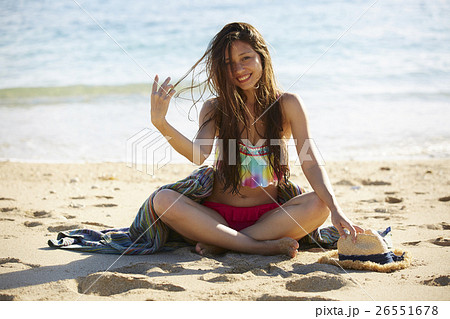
column 204, row 249
column 286, row 246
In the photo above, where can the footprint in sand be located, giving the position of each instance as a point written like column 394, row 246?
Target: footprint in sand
column 32, row 224
column 439, row 226
column 78, row 197
column 412, row 243
column 171, row 268
column 104, row 196
column 272, row 271
column 41, row 214
column 317, row 282
column 368, row 182
column 58, row 228
column 345, row 182
column 381, row 217
column 96, row 224
column 248, row 269
column 267, row 297
column 105, row 205
column 225, row 278
column 15, row 263
column 76, row 205
column 302, row 269
column 390, row 193
column 393, row 200
column 149, row 269
column 238, row 266
column 372, row 200
column 437, row 281
column 108, row 283
column 440, row 241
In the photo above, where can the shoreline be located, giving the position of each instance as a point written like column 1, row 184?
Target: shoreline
column 39, row 199
column 370, row 160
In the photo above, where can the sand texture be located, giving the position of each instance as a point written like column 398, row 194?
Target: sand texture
column 38, row 200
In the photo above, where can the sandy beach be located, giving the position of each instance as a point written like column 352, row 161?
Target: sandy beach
column 38, row 200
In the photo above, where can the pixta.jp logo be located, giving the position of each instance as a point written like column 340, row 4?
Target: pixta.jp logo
column 148, row 151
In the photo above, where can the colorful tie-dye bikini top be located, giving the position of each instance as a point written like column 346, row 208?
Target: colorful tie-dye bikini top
column 255, row 168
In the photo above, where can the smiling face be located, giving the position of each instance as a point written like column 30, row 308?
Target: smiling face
column 245, row 66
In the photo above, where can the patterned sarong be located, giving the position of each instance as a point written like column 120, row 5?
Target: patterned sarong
column 148, row 234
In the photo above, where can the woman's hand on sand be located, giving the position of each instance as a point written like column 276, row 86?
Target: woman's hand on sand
column 160, row 100
column 340, row 221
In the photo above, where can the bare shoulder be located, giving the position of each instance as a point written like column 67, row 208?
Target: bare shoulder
column 207, row 109
column 293, row 106
column 207, row 114
column 210, row 104
column 291, row 101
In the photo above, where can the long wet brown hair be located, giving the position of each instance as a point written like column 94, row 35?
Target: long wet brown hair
column 229, row 103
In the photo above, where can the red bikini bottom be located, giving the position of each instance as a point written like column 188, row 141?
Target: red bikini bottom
column 240, row 217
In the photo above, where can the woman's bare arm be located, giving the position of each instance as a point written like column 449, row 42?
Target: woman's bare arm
column 196, row 151
column 311, row 164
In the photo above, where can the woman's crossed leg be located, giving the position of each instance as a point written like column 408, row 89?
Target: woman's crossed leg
column 274, row 233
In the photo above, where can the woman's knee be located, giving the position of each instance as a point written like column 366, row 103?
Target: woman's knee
column 318, row 208
column 164, row 200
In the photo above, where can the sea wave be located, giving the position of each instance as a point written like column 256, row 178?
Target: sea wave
column 75, row 93
column 29, row 96
column 74, row 90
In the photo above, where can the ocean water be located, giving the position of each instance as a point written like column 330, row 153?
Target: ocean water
column 374, row 75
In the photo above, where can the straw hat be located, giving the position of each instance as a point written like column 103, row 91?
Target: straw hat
column 369, row 252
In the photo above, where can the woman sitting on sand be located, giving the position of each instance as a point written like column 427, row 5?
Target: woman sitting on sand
column 252, row 121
